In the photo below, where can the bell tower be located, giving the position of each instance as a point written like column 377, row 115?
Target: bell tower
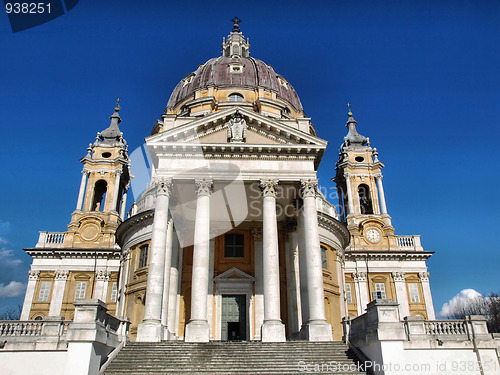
column 361, row 193
column 103, row 190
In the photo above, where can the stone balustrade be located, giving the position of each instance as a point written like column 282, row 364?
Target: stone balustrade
column 50, row 239
column 410, row 243
column 322, row 205
column 382, row 338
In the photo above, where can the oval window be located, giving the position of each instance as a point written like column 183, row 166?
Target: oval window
column 106, row 154
column 359, row 159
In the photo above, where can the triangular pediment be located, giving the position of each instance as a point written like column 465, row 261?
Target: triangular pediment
column 212, row 130
column 234, row 274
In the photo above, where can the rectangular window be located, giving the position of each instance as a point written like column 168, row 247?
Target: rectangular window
column 81, row 287
column 44, row 291
column 348, row 293
column 324, row 260
column 114, row 291
column 414, row 295
column 234, row 245
column 143, row 256
column 379, row 292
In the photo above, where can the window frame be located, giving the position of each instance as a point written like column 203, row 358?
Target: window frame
column 142, row 260
column 348, row 292
column 236, row 235
column 79, row 294
column 45, row 291
column 414, row 293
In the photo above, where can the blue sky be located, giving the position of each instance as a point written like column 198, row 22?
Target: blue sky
column 422, row 78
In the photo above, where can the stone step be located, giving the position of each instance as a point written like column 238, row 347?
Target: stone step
column 233, row 358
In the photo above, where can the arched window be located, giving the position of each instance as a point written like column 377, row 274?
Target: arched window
column 100, row 189
column 235, row 97
column 236, row 50
column 38, row 317
column 365, row 200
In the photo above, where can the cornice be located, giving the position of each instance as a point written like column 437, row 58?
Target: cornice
column 387, row 255
column 334, row 226
column 144, row 217
column 50, row 253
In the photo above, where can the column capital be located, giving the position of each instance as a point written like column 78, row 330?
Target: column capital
column 424, row 276
column 33, row 275
column 204, row 186
column 359, row 276
column 164, row 186
column 308, row 188
column 62, row 274
column 268, row 187
column 378, row 176
column 85, row 171
column 103, row 275
column 125, row 255
column 257, row 234
column 398, row 276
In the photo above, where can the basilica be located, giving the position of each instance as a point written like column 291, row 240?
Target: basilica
column 232, row 239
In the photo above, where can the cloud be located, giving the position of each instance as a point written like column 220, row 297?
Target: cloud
column 459, row 300
column 4, row 227
column 8, row 258
column 13, row 289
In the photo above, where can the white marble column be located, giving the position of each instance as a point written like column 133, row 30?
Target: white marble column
column 341, row 283
column 173, row 288
column 292, row 281
column 304, row 307
column 151, row 330
column 114, row 203
column 198, row 330
column 81, row 193
column 361, row 291
column 167, row 333
column 273, row 330
column 58, row 292
column 429, row 305
column 30, row 294
column 350, row 201
column 123, row 281
column 383, row 207
column 316, row 328
column 101, row 284
column 123, row 207
column 259, row 282
column 401, row 294
column 210, row 291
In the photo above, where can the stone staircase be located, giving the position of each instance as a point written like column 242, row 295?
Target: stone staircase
column 292, row 357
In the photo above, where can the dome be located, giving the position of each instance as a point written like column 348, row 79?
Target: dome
column 237, row 72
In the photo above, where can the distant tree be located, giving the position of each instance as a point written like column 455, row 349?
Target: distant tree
column 480, row 305
column 12, row 313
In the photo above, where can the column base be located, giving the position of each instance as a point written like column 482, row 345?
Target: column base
column 273, row 331
column 167, row 335
column 197, row 331
column 150, row 332
column 316, row 331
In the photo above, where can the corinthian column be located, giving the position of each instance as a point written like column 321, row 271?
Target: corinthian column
column 316, row 328
column 151, row 330
column 58, row 292
column 79, row 203
column 30, row 293
column 273, row 330
column 198, row 330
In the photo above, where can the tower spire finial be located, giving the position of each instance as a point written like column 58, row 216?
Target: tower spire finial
column 117, row 108
column 236, row 26
column 348, row 105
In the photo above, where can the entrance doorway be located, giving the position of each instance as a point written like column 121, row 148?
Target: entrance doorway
column 234, row 320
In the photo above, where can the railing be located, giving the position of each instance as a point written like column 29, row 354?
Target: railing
column 21, row 328
column 445, row 327
column 51, row 239
column 326, row 207
column 409, row 243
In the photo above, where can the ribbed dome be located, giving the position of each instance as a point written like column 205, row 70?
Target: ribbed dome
column 219, row 72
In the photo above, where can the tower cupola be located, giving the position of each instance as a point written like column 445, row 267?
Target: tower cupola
column 235, row 45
